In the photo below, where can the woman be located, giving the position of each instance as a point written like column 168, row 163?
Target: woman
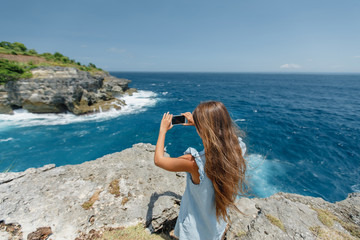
column 215, row 176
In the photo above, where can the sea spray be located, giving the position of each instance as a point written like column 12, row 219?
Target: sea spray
column 138, row 102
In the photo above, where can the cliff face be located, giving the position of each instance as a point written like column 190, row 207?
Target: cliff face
column 59, row 89
column 125, row 188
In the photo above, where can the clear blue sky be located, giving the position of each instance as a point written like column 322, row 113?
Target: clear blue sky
column 192, row 35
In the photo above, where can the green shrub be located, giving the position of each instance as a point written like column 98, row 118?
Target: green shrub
column 91, row 65
column 56, row 59
column 6, row 45
column 32, row 52
column 47, row 56
column 26, row 75
column 19, row 47
column 10, row 71
column 65, row 59
column 16, row 46
column 58, row 55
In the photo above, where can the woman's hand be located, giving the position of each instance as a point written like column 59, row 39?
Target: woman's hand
column 166, row 122
column 190, row 120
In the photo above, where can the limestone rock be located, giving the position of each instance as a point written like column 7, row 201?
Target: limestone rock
column 5, row 109
column 61, row 89
column 4, row 104
column 55, row 196
column 126, row 188
column 113, row 86
column 130, row 91
column 292, row 216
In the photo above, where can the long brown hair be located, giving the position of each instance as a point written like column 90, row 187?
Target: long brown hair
column 225, row 165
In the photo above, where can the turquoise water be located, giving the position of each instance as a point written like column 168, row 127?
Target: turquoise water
column 302, row 130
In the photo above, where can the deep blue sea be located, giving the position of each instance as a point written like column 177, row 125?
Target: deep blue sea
column 302, row 130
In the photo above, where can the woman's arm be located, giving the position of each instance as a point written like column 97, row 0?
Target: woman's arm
column 185, row 163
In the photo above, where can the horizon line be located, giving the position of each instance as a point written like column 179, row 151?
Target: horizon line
column 232, row 72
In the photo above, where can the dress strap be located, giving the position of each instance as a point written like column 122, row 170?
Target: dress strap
column 198, row 161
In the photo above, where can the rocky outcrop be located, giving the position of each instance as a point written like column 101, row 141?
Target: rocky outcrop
column 125, row 188
column 60, row 89
column 292, row 216
column 119, row 189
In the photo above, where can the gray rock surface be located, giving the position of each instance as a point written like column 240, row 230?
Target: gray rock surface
column 125, row 188
column 54, row 196
column 292, row 216
column 61, row 89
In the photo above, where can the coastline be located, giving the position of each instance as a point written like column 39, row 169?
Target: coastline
column 64, row 89
column 125, row 189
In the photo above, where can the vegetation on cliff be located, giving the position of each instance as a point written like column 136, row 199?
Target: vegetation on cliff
column 16, row 61
column 11, row 70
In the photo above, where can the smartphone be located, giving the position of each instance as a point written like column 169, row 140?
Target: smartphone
column 178, row 119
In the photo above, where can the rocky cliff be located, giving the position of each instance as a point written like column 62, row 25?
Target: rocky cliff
column 61, row 89
column 125, row 188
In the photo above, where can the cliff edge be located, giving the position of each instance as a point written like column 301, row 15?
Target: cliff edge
column 55, row 89
column 125, row 189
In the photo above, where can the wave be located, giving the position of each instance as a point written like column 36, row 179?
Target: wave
column 6, row 140
column 356, row 188
column 138, row 102
column 240, row 120
column 260, row 175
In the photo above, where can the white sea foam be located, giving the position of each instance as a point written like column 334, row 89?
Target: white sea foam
column 356, row 188
column 240, row 120
column 260, row 174
column 81, row 133
column 136, row 103
column 6, row 140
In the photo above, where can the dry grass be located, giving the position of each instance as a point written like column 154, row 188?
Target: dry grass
column 137, row 232
column 88, row 204
column 241, row 234
column 275, row 221
column 114, row 187
column 352, row 228
column 124, row 200
column 327, row 234
column 326, row 217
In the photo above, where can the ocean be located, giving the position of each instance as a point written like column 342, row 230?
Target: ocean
column 302, row 131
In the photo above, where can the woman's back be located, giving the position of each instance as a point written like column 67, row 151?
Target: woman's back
column 197, row 216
